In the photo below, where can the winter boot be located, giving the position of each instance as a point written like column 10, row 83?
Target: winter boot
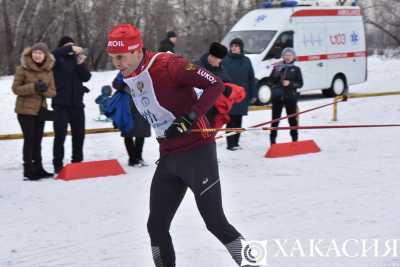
column 57, row 166
column 273, row 140
column 295, row 137
column 30, row 172
column 41, row 172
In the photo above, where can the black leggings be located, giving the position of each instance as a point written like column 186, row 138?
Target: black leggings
column 198, row 171
column 291, row 108
column 32, row 129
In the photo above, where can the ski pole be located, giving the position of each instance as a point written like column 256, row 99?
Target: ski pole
column 311, row 127
column 286, row 117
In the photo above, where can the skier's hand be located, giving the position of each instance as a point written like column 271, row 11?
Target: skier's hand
column 181, row 126
column 41, row 87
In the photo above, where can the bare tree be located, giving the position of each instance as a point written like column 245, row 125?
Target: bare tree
column 198, row 23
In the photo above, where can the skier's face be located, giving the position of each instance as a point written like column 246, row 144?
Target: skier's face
column 127, row 62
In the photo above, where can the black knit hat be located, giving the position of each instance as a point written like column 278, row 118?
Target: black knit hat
column 218, row 50
column 64, row 40
column 239, row 42
column 171, row 34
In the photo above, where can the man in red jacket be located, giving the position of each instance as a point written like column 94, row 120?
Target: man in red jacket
column 161, row 85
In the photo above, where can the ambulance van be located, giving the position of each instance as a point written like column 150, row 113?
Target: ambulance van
column 329, row 42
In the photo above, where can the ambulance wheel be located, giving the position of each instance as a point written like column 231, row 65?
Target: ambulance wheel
column 338, row 87
column 264, row 93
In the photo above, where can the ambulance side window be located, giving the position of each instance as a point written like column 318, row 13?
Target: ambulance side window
column 283, row 41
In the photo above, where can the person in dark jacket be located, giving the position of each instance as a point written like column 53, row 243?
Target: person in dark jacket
column 285, row 78
column 168, row 44
column 70, row 72
column 212, row 61
column 33, row 83
column 134, row 139
column 241, row 71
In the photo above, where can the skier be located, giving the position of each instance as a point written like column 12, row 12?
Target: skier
column 161, row 86
column 286, row 78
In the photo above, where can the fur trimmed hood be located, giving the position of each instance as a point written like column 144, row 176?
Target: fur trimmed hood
column 27, row 61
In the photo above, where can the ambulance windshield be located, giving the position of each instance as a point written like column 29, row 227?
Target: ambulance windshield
column 255, row 42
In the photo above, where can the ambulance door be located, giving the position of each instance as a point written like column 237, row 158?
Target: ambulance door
column 310, row 46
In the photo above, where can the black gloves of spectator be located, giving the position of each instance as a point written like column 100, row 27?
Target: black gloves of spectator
column 227, row 91
column 181, row 126
column 41, row 87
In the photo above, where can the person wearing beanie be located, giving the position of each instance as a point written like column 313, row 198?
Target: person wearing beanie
column 285, row 78
column 33, row 83
column 162, row 89
column 212, row 61
column 65, row 41
column 70, row 72
column 240, row 69
column 168, row 44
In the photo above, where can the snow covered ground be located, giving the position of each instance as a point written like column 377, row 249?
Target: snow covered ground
column 349, row 190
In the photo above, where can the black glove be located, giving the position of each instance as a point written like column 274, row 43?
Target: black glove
column 118, row 84
column 227, row 91
column 41, row 87
column 85, row 89
column 181, row 126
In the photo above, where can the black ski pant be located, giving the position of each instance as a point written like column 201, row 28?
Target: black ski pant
column 32, row 129
column 197, row 170
column 290, row 105
column 235, row 122
column 75, row 117
column 134, row 147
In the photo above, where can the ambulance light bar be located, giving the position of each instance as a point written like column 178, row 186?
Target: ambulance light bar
column 294, row 3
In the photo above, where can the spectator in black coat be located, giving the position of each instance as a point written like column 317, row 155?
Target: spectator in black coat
column 213, row 59
column 286, row 78
column 241, row 71
column 168, row 44
column 70, row 72
column 212, row 62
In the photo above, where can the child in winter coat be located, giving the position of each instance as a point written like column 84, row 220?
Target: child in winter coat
column 103, row 101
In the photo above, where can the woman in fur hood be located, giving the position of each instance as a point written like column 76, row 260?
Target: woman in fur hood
column 33, row 83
